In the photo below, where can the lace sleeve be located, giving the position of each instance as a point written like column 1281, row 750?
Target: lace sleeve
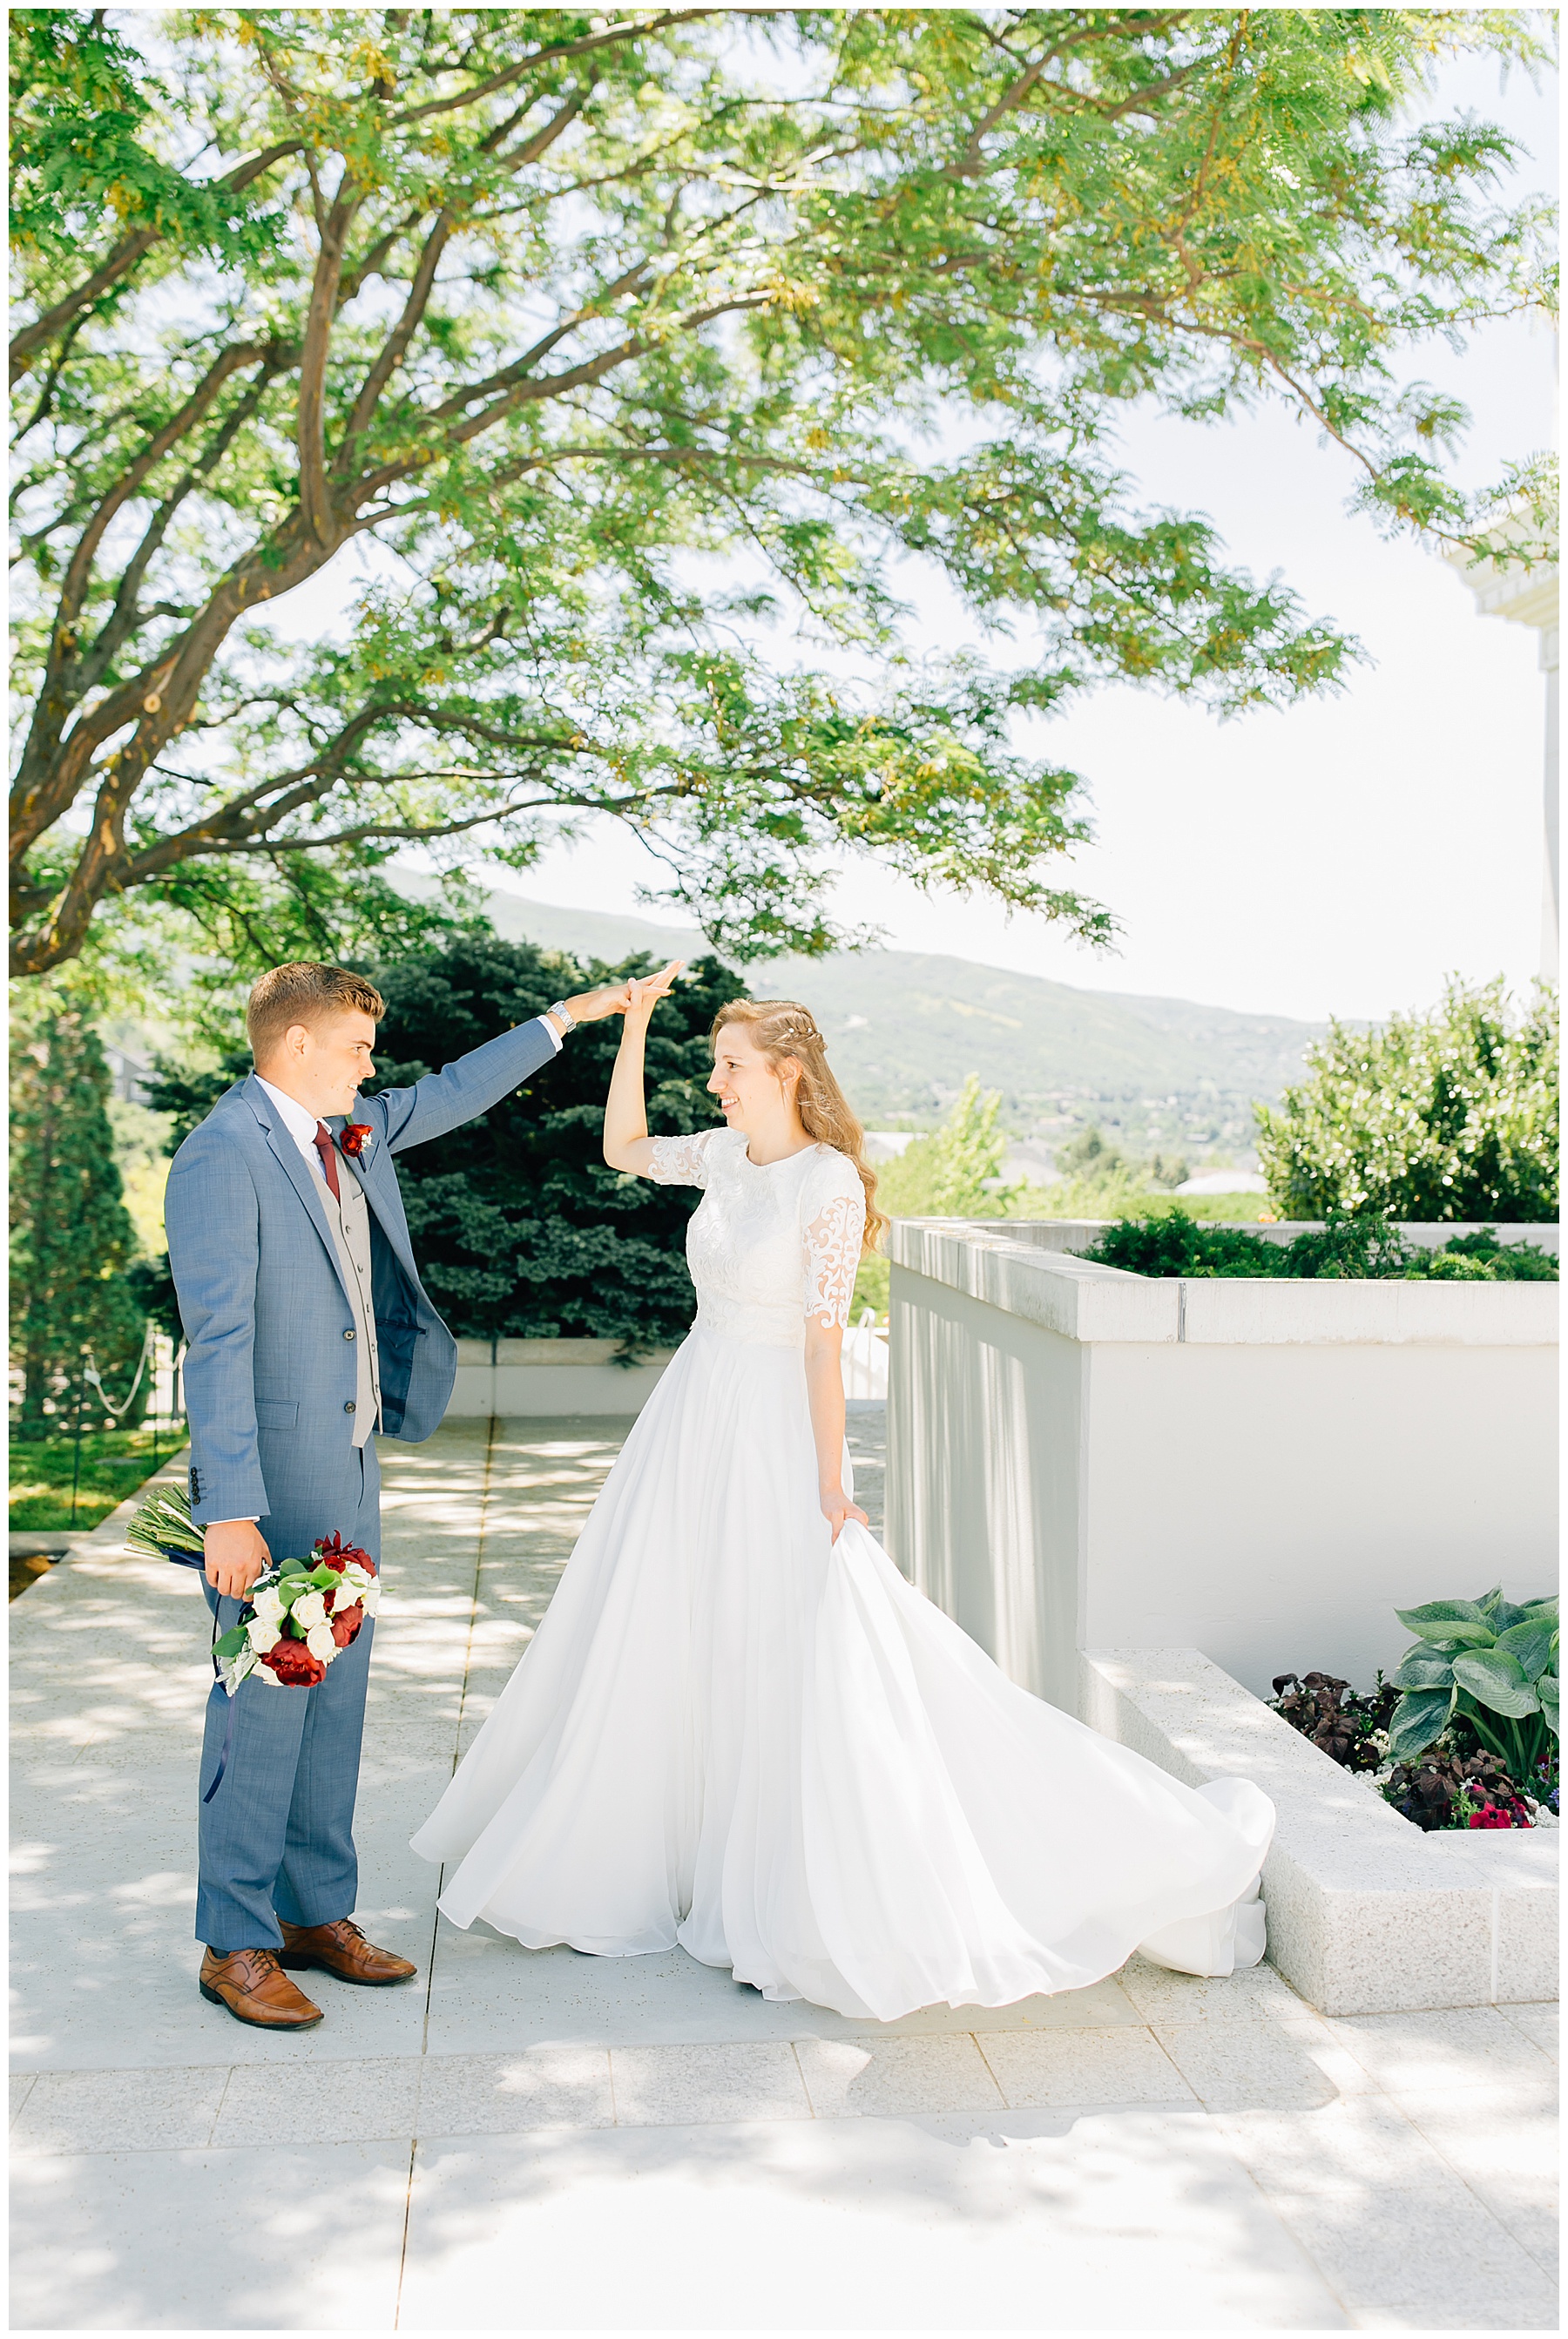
column 682, row 1160
column 833, row 1246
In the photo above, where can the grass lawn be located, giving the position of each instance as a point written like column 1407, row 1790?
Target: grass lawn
column 115, row 1462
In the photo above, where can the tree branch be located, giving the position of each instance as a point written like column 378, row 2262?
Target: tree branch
column 612, row 35
column 315, row 494
column 120, row 261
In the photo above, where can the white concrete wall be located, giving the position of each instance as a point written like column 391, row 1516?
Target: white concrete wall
column 1262, row 1470
column 530, row 1378
column 536, row 1378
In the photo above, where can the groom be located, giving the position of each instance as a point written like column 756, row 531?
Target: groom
column 307, row 1331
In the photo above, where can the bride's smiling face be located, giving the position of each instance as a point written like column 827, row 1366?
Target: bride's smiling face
column 752, row 1094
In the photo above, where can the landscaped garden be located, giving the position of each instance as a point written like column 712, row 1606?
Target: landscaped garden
column 1465, row 1733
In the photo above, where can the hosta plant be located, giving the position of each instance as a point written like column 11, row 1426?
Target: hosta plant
column 1487, row 1663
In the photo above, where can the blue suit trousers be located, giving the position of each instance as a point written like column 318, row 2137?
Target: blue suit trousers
column 277, row 1839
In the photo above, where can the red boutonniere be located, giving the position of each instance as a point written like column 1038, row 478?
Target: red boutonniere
column 356, row 1140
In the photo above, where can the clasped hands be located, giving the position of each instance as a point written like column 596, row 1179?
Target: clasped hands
column 639, row 996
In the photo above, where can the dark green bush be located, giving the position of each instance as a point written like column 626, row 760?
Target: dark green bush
column 520, row 1229
column 1175, row 1244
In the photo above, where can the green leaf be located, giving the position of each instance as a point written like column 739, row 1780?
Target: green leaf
column 230, row 1644
column 1501, row 1614
column 1447, row 1620
column 1424, row 1667
column 1543, row 1611
column 323, row 1578
column 1546, row 1691
column 1418, row 1719
column 292, row 1568
column 1530, row 1644
column 1496, row 1680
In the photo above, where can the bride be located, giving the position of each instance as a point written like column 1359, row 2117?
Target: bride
column 738, row 1728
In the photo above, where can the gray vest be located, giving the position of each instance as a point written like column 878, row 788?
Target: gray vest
column 350, row 1219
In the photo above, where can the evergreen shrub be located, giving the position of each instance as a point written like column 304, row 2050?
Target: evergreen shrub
column 72, row 1239
column 1171, row 1243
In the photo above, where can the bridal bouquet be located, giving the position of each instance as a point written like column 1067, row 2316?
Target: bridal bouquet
column 297, row 1616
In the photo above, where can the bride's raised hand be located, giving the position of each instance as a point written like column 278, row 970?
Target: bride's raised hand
column 645, row 991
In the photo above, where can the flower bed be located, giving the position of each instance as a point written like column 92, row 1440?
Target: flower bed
column 1465, row 1733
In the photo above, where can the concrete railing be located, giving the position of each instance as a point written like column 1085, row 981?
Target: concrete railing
column 1263, row 1470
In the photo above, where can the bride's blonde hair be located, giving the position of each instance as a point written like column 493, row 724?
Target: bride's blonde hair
column 783, row 1030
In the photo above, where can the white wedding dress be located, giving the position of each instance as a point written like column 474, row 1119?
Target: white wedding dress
column 731, row 1732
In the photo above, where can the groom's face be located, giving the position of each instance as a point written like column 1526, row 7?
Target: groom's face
column 324, row 1062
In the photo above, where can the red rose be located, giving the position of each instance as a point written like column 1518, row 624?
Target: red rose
column 352, row 1140
column 334, row 1552
column 293, row 1664
column 346, row 1622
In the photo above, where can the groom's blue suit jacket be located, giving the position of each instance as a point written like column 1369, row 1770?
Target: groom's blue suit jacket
column 268, row 1375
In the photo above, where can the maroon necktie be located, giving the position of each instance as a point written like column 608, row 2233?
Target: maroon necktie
column 329, row 1153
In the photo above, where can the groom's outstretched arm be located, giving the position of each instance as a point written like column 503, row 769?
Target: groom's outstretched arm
column 445, row 1099
column 213, row 1219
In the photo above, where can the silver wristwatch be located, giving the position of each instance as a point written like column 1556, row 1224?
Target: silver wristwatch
column 568, row 1021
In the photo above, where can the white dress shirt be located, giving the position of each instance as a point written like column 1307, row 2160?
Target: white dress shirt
column 301, row 1125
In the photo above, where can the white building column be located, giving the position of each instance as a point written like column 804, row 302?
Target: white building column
column 1528, row 597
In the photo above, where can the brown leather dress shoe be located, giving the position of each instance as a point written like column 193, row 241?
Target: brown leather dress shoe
column 249, row 1983
column 342, row 1949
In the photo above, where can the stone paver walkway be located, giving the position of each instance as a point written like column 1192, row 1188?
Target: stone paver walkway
column 544, row 2140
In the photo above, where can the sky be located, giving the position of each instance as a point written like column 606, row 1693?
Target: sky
column 1342, row 857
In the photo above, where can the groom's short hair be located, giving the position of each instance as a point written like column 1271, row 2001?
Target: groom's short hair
column 304, row 993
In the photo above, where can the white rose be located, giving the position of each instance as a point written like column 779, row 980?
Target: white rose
column 320, row 1641
column 357, row 1576
column 371, row 1595
column 268, row 1605
column 263, row 1635
column 309, row 1611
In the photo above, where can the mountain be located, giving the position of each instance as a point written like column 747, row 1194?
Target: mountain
column 905, row 1029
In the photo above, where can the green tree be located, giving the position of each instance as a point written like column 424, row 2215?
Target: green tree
column 1452, row 1115
column 609, row 343
column 72, row 1239
column 956, row 1171
column 521, row 1230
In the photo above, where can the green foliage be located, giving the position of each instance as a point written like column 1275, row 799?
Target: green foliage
column 956, row 1171
column 520, row 1229
column 1487, row 1663
column 873, row 1284
column 1173, row 1243
column 72, row 1239
column 1448, row 1116
column 627, row 340
column 113, row 1464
